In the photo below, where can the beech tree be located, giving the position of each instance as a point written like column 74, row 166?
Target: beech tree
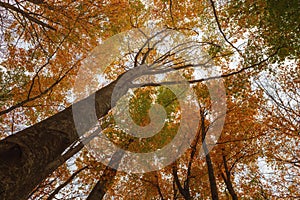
column 43, row 48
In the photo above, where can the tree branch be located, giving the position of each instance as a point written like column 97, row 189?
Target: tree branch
column 204, row 79
column 56, row 191
column 26, row 15
column 219, row 27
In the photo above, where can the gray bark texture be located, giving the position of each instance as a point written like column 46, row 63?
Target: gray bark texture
column 28, row 157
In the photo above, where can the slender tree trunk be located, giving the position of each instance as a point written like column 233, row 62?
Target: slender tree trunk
column 107, row 178
column 185, row 192
column 212, row 179
column 158, row 188
column 25, row 156
column 110, row 171
column 227, row 180
column 211, row 174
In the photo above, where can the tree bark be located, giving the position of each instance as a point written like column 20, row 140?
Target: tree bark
column 227, row 180
column 25, row 156
column 107, row 178
column 109, row 173
column 211, row 174
column 185, row 192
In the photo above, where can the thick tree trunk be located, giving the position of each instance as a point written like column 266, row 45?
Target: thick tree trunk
column 25, row 157
column 61, row 160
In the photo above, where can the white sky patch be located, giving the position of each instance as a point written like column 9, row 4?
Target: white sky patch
column 199, row 36
column 235, row 61
column 264, row 168
column 147, row 3
column 3, row 69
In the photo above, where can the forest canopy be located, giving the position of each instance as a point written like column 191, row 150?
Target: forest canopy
column 160, row 99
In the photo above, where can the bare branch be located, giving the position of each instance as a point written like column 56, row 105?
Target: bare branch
column 56, row 191
column 220, row 29
column 20, row 104
column 26, row 15
column 206, row 79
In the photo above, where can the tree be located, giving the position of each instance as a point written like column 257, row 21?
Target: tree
column 281, row 114
column 46, row 47
column 44, row 44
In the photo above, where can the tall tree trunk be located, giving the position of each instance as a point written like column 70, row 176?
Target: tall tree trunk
column 211, row 174
column 227, row 180
column 109, row 173
column 107, row 178
column 25, row 156
column 185, row 192
column 61, row 160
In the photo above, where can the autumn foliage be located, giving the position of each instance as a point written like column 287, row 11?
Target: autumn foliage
column 253, row 44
